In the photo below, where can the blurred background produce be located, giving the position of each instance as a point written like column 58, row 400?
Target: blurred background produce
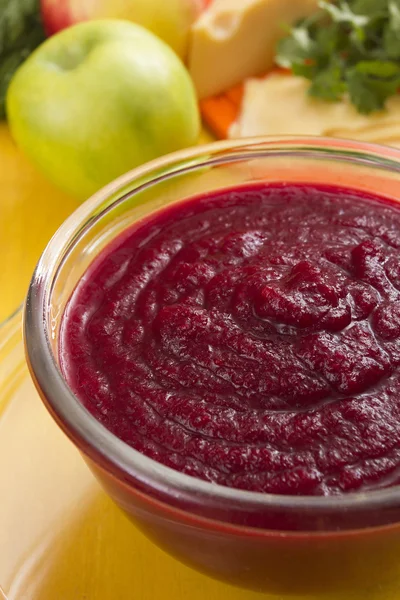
column 259, row 67
column 235, row 39
column 168, row 19
column 336, row 73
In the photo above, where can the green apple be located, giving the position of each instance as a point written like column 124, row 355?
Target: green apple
column 98, row 99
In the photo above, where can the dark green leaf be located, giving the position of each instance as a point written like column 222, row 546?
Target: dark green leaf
column 328, row 84
column 373, row 8
column 364, row 99
column 391, row 35
column 378, row 68
column 394, row 14
column 21, row 31
column 391, row 43
column 328, row 42
column 294, row 48
column 371, row 84
column 342, row 13
column 349, row 47
column 309, row 71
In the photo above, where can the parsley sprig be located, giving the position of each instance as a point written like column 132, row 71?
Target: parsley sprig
column 347, row 47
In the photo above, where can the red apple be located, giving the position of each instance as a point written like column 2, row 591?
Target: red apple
column 168, row 19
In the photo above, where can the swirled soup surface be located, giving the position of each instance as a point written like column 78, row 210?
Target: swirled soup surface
column 251, row 338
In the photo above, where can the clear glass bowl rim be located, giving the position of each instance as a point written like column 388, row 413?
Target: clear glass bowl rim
column 92, row 437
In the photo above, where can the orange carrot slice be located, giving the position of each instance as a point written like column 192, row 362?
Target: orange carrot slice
column 235, row 94
column 220, row 112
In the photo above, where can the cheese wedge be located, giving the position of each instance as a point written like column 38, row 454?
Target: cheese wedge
column 279, row 105
column 235, row 39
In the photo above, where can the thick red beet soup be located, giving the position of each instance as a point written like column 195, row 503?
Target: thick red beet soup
column 249, row 337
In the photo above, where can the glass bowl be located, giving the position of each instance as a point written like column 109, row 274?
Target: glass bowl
column 319, row 546
column 61, row 537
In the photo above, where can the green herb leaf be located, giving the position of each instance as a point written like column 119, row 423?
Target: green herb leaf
column 391, row 36
column 21, row 31
column 342, row 13
column 348, row 47
column 328, row 84
column 295, row 48
column 375, row 9
column 370, row 83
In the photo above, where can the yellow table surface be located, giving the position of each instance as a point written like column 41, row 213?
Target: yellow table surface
column 61, row 538
column 31, row 209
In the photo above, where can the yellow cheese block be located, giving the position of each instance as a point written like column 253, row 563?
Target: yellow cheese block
column 235, row 39
column 279, row 105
